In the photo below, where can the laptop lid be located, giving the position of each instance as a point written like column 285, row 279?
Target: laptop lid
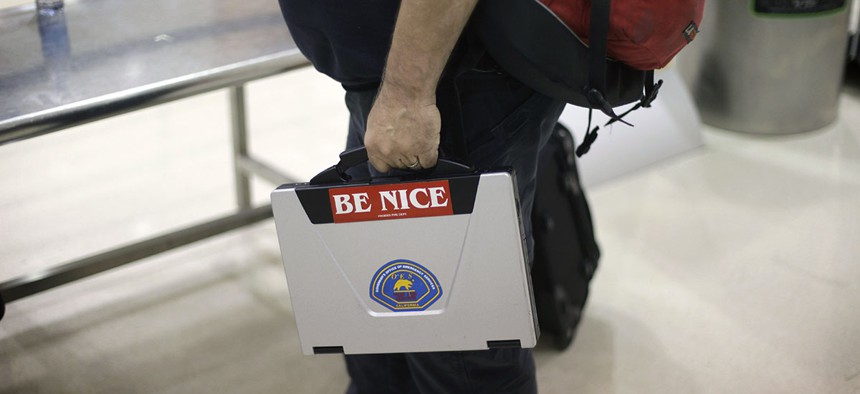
column 406, row 266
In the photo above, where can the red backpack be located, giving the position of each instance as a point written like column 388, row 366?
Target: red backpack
column 642, row 34
column 552, row 46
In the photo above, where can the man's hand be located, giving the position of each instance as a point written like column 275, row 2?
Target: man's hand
column 402, row 132
column 404, row 124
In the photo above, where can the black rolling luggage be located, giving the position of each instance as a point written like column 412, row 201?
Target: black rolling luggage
column 566, row 253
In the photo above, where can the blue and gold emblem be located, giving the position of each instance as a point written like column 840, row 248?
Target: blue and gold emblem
column 405, row 286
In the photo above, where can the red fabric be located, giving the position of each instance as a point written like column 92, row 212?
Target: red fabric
column 644, row 34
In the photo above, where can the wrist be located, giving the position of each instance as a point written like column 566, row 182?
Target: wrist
column 408, row 90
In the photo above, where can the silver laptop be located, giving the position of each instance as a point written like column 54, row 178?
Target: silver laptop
column 409, row 266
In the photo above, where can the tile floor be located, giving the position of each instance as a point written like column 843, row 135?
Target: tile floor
column 734, row 268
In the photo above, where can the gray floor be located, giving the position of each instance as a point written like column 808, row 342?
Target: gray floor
column 730, row 269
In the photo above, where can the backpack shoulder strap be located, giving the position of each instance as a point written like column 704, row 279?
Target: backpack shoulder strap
column 598, row 37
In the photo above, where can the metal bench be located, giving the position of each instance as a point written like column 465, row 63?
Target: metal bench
column 70, row 68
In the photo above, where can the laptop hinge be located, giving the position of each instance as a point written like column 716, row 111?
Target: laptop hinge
column 328, row 349
column 508, row 343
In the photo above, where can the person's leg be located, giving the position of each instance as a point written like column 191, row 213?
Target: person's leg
column 505, row 125
column 496, row 371
column 359, row 104
column 379, row 374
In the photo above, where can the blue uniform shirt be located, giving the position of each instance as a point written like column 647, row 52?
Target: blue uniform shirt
column 347, row 40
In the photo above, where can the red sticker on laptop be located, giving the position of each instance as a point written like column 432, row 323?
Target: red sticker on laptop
column 392, row 201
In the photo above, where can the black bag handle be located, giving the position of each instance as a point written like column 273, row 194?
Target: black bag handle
column 336, row 174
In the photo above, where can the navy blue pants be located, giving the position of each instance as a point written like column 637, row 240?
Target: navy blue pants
column 505, row 124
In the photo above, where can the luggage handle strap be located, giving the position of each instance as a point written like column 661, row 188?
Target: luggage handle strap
column 336, row 174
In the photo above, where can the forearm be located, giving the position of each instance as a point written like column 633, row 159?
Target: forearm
column 424, row 36
column 404, row 124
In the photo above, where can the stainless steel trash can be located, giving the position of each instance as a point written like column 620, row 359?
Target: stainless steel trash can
column 772, row 66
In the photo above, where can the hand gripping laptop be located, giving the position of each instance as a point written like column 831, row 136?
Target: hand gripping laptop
column 423, row 262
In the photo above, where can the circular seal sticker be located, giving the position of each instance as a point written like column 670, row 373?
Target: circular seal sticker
column 405, row 286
